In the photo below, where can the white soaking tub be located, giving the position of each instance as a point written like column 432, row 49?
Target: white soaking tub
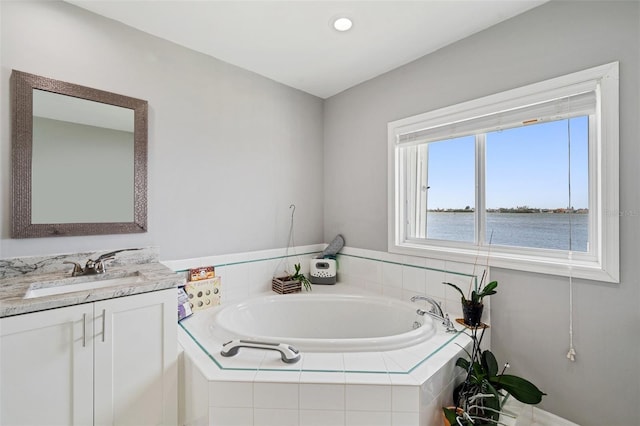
column 325, row 322
column 359, row 350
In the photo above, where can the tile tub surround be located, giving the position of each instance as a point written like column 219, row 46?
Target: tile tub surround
column 266, row 395
column 248, row 274
column 21, row 273
column 402, row 277
column 400, row 387
column 396, row 276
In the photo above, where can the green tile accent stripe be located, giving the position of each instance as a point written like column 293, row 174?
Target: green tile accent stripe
column 419, row 363
column 436, row 351
column 475, row 277
column 243, row 262
column 221, row 367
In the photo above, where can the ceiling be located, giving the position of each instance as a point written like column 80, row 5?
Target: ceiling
column 293, row 42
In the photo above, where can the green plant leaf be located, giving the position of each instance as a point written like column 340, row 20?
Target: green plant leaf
column 450, row 415
column 457, row 288
column 489, row 363
column 489, row 289
column 521, row 389
column 462, row 363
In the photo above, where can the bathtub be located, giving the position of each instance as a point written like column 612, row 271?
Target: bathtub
column 360, row 352
column 325, row 322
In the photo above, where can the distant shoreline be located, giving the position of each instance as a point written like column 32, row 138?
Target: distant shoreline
column 514, row 210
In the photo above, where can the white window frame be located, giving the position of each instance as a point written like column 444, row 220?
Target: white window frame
column 602, row 261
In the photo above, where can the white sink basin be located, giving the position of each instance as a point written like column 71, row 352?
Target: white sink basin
column 74, row 284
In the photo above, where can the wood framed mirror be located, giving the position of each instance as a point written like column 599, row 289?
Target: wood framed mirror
column 79, row 160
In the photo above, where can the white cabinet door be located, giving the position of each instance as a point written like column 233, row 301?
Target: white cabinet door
column 46, row 366
column 135, row 360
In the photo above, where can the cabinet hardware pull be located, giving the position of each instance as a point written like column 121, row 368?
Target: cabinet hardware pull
column 84, row 330
column 104, row 330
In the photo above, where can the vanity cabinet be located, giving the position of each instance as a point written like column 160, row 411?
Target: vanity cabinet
column 111, row 362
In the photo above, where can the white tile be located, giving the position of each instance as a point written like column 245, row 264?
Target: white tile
column 403, row 358
column 283, row 376
column 414, row 260
column 323, row 361
column 392, row 292
column 392, row 366
column 322, row 396
column 403, row 380
column 405, row 398
column 344, row 264
column 432, row 402
column 407, row 419
column 368, row 397
column 391, row 257
column 260, row 275
column 231, row 416
column 364, row 361
column 275, row 395
column 235, row 375
column 353, row 251
column 230, row 394
column 392, row 275
column 368, row 418
column 381, row 379
column 368, row 270
column 333, row 377
column 234, row 281
column 414, row 279
column 193, row 394
column 464, row 268
column 199, row 421
column 275, row 417
column 373, row 287
column 322, row 418
column 435, row 288
column 431, row 414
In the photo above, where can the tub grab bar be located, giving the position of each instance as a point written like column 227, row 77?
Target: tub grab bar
column 289, row 354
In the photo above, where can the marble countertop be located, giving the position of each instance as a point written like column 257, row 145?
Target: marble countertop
column 150, row 277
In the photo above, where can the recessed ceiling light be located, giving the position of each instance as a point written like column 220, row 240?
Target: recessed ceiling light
column 342, row 24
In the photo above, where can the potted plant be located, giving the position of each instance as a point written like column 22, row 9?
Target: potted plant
column 291, row 283
column 480, row 397
column 472, row 307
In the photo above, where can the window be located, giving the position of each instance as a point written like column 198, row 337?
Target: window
column 528, row 177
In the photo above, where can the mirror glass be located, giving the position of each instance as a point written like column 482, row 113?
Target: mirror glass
column 79, row 160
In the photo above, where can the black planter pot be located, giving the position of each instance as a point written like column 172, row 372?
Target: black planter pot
column 472, row 313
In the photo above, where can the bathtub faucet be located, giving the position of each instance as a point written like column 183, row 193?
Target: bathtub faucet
column 435, row 312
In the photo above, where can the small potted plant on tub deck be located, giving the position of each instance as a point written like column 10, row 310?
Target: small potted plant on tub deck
column 472, row 307
column 291, row 283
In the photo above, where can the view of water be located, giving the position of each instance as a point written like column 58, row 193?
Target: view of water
column 538, row 230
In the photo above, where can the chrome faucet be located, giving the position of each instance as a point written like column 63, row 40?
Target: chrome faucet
column 94, row 267
column 435, row 312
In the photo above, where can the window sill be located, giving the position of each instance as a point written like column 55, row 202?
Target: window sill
column 580, row 266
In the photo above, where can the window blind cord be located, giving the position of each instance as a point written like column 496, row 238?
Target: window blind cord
column 571, row 355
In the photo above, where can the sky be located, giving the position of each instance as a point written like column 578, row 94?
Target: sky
column 526, row 166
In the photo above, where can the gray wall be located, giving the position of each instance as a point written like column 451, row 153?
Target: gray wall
column 229, row 150
column 530, row 312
